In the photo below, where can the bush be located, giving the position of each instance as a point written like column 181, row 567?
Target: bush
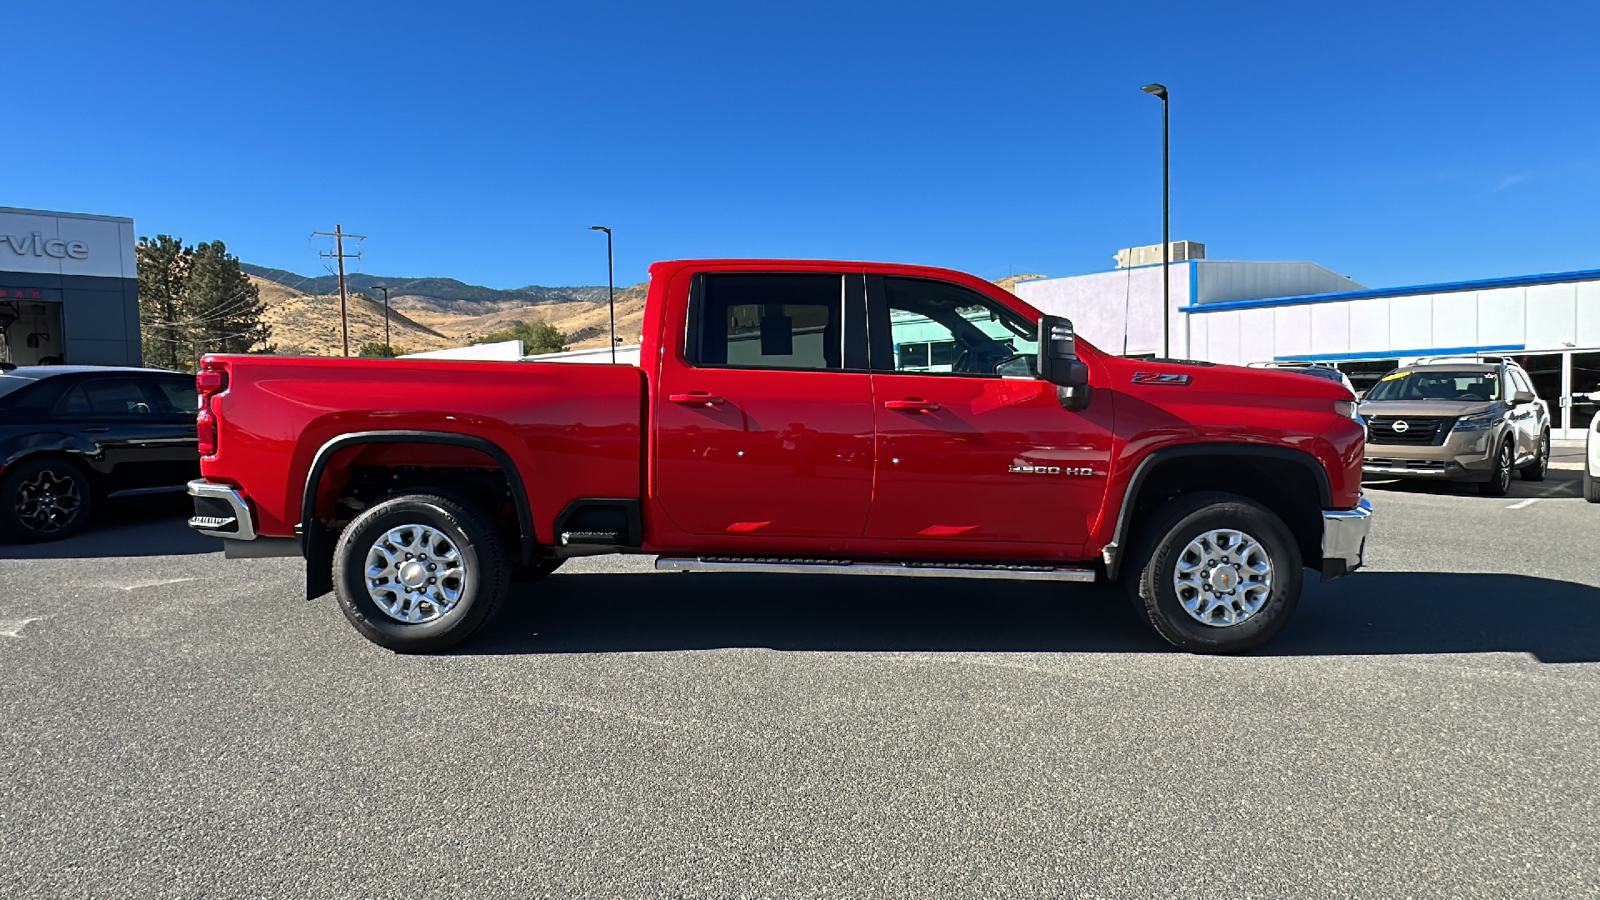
column 540, row 338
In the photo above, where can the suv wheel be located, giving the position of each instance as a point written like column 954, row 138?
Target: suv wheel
column 1218, row 573
column 419, row 573
column 43, row 500
column 1535, row 470
column 1499, row 483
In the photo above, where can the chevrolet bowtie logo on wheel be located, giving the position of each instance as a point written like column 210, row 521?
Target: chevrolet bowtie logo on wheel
column 1401, row 426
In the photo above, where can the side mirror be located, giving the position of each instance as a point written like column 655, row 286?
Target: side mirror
column 1361, row 395
column 1058, row 354
column 1520, row 397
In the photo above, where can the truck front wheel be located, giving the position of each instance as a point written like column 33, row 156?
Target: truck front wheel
column 1217, row 573
column 419, row 573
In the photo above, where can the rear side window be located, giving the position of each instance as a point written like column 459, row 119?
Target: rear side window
column 771, row 322
column 106, row 397
column 176, row 396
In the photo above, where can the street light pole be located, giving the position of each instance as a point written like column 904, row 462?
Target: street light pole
column 1160, row 90
column 611, row 288
column 386, row 345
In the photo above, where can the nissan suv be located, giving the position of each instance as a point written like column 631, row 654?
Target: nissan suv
column 1472, row 421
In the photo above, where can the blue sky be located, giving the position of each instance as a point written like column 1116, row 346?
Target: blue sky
column 1397, row 143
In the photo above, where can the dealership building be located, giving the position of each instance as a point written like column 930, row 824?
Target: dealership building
column 69, row 290
column 1243, row 312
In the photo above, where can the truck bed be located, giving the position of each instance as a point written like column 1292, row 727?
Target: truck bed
column 581, row 424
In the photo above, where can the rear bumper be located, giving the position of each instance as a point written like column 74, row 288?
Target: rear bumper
column 1344, row 539
column 220, row 511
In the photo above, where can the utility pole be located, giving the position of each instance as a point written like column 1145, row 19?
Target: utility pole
column 611, row 288
column 386, row 345
column 338, row 253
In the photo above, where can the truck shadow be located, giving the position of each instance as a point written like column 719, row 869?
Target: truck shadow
column 1373, row 613
column 149, row 526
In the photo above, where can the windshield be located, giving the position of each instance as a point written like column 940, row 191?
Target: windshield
column 1432, row 385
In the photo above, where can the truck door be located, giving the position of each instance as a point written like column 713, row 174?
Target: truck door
column 965, row 453
column 765, row 425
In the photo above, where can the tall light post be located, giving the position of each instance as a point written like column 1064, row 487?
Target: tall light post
column 611, row 288
column 1160, row 90
column 386, row 345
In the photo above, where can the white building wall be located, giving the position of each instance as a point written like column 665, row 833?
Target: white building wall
column 1105, row 306
column 1532, row 318
column 1120, row 311
column 1224, row 281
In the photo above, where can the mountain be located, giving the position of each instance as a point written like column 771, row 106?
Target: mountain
column 436, row 294
column 307, row 325
column 436, row 313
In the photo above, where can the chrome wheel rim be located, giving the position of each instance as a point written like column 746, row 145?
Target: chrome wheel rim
column 1223, row 578
column 48, row 502
column 1506, row 461
column 415, row 574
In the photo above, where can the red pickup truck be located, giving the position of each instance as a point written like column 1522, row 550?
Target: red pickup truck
column 793, row 417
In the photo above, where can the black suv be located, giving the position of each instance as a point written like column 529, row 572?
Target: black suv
column 70, row 435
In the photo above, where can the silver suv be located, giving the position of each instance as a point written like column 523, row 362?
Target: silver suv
column 1471, row 420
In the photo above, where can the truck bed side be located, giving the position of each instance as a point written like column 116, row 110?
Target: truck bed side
column 571, row 431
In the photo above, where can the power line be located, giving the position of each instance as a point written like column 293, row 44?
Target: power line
column 338, row 253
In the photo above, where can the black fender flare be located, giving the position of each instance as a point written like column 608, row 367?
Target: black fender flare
column 1113, row 552
column 315, row 543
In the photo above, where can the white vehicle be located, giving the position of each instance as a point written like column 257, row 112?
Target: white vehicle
column 1328, row 373
column 1591, row 462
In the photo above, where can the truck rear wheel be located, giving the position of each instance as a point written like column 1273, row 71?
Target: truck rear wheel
column 419, row 573
column 1217, row 573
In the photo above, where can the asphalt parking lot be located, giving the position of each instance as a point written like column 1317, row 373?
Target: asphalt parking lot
column 180, row 725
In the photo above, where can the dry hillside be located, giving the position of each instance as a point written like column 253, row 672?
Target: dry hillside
column 306, row 325
column 586, row 322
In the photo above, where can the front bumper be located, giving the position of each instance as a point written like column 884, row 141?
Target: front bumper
column 220, row 511
column 1461, row 456
column 1344, row 539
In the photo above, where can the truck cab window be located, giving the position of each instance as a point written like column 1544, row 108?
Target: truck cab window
column 771, row 322
column 940, row 327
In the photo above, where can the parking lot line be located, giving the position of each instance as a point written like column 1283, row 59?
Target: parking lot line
column 1528, row 502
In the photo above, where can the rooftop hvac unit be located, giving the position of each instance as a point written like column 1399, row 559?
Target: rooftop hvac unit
column 1150, row 255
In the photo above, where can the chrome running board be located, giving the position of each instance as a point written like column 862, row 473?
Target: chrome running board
column 785, row 566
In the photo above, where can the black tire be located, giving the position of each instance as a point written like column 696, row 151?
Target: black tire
column 43, row 500
column 1535, row 470
column 530, row 574
column 482, row 562
column 1499, row 483
column 1156, row 555
column 1591, row 485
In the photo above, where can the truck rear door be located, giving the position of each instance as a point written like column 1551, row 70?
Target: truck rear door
column 764, row 426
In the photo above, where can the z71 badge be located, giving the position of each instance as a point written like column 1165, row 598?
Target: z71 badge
column 1161, row 378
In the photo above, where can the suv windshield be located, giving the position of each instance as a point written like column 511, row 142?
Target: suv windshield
column 1417, row 384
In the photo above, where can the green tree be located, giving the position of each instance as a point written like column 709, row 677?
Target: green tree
column 164, row 265
column 193, row 301
column 540, row 338
column 224, row 306
column 381, row 350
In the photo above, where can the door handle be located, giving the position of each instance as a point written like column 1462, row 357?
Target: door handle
column 696, row 399
column 95, row 430
column 918, row 406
